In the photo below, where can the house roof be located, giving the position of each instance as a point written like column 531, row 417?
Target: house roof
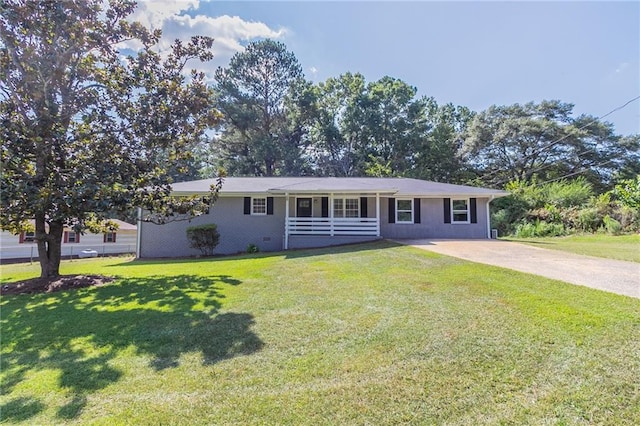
column 122, row 225
column 397, row 187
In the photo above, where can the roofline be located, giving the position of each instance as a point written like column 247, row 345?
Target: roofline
column 384, row 193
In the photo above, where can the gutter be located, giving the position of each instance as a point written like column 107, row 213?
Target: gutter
column 489, row 217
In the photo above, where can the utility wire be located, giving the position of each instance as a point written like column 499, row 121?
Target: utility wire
column 549, row 145
column 572, row 174
column 555, row 163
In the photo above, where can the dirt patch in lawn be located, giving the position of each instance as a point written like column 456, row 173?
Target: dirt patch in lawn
column 50, row 285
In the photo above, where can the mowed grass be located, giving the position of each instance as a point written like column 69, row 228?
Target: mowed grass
column 620, row 247
column 367, row 334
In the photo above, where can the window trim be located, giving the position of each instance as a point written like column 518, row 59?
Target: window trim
column 75, row 237
column 344, row 207
column 253, row 212
column 398, row 210
column 25, row 239
column 106, row 237
column 467, row 212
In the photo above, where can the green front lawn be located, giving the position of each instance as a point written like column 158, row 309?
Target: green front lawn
column 620, row 247
column 367, row 334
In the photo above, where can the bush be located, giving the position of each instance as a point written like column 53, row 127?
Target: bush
column 568, row 193
column 204, row 238
column 629, row 218
column 506, row 213
column 252, row 248
column 539, row 229
column 611, row 225
column 588, row 220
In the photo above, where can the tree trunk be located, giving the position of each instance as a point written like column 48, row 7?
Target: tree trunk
column 49, row 246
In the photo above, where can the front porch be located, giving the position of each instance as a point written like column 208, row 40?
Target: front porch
column 333, row 226
column 341, row 217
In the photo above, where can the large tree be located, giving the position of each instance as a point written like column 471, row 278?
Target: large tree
column 394, row 123
column 253, row 92
column 518, row 142
column 88, row 128
column 436, row 154
column 336, row 129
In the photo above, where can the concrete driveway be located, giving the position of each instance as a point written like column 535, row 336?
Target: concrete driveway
column 615, row 276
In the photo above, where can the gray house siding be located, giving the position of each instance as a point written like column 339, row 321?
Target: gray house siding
column 236, row 229
column 432, row 223
column 311, row 241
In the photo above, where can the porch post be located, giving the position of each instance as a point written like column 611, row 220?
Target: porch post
column 286, row 221
column 331, row 214
column 377, row 214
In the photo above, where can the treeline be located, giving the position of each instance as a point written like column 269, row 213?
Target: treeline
column 277, row 123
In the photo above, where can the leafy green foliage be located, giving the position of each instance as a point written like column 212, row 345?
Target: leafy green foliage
column 520, row 142
column 628, row 192
column 204, row 238
column 253, row 93
column 557, row 208
column 567, row 193
column 539, row 228
column 611, row 225
column 85, row 128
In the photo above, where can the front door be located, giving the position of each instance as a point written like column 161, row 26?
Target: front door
column 303, row 207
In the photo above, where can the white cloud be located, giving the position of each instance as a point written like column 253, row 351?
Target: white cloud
column 313, row 71
column 230, row 33
column 622, row 67
column 153, row 13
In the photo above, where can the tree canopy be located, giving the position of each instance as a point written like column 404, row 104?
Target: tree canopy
column 253, row 92
column 518, row 142
column 88, row 127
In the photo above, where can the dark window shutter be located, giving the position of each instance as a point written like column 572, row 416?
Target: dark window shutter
column 474, row 210
column 77, row 237
column 247, row 205
column 269, row 205
column 416, row 210
column 21, row 238
column 447, row 210
column 325, row 207
column 363, row 207
column 65, row 237
column 115, row 235
column 104, row 237
column 392, row 210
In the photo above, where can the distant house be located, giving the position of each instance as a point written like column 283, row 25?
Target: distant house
column 286, row 213
column 23, row 245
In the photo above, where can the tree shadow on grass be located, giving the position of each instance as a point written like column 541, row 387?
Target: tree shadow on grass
column 78, row 334
column 20, row 409
column 350, row 248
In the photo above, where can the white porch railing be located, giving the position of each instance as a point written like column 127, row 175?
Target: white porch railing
column 332, row 226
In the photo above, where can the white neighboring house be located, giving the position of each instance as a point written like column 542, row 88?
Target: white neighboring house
column 23, row 246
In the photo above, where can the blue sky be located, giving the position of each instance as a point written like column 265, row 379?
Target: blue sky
column 473, row 54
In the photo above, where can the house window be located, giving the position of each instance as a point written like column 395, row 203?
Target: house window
column 28, row 237
column 259, row 206
column 404, row 211
column 72, row 237
column 460, row 211
column 346, row 207
column 110, row 237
